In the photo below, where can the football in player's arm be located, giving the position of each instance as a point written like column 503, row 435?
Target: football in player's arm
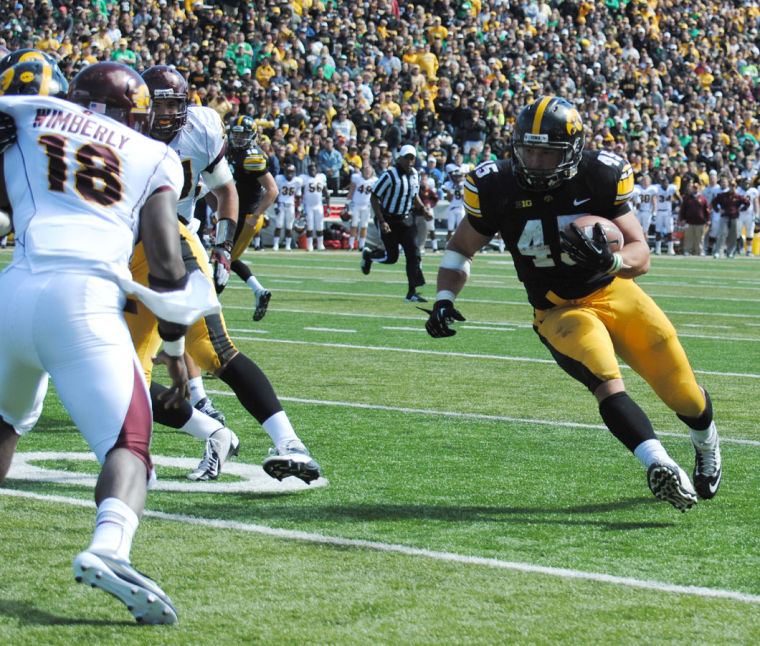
column 586, row 307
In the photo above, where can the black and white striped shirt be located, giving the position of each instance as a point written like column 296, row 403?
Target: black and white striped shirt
column 396, row 191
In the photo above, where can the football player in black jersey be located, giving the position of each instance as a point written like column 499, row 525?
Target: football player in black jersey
column 587, row 308
column 257, row 191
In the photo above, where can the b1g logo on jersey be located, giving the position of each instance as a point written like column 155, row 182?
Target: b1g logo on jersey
column 523, row 204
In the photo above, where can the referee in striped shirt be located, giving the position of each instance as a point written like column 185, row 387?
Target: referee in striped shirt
column 392, row 199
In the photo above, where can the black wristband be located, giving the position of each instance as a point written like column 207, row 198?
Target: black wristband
column 169, row 331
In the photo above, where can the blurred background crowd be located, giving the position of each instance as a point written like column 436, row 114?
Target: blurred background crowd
column 671, row 84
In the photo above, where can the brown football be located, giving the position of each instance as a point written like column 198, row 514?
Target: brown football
column 586, row 224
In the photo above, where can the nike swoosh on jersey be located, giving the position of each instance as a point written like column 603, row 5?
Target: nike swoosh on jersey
column 577, row 202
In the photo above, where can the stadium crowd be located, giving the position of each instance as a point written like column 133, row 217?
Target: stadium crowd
column 670, row 84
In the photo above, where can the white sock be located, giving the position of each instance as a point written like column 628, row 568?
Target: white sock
column 257, row 242
column 197, row 391
column 651, row 451
column 351, row 242
column 362, row 242
column 287, row 243
column 254, row 284
column 309, row 244
column 706, row 436
column 434, row 245
column 275, row 242
column 320, row 241
column 201, row 425
column 671, row 247
column 279, row 428
column 115, row 525
column 658, row 246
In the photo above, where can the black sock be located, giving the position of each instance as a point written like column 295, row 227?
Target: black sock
column 626, row 421
column 701, row 423
column 171, row 417
column 253, row 389
column 241, row 269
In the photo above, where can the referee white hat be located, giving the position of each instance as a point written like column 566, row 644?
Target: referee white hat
column 407, row 149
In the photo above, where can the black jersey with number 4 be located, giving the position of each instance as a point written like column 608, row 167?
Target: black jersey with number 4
column 530, row 221
column 247, row 166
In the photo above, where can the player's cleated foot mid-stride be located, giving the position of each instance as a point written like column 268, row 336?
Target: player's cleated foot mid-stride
column 670, row 483
column 291, row 459
column 708, row 467
column 262, row 302
column 218, row 447
column 148, row 603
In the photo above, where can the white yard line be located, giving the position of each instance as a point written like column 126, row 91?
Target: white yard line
column 451, row 557
column 481, row 416
column 466, row 355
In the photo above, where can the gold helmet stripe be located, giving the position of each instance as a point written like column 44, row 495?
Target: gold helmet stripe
column 543, row 104
column 47, row 77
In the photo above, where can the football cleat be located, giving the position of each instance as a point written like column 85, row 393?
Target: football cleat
column 206, row 406
column 707, row 467
column 366, row 263
column 148, row 603
column 216, row 452
column 416, row 298
column 234, row 443
column 670, row 483
column 291, row 458
column 262, row 302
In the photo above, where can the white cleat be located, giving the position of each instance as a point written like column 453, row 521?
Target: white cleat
column 218, row 447
column 670, row 483
column 291, row 458
column 147, row 602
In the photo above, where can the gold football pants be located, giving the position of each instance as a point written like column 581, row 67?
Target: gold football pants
column 585, row 334
column 206, row 340
column 244, row 235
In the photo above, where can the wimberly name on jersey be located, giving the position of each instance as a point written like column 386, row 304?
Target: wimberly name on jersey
column 79, row 124
column 77, row 182
column 247, row 166
column 530, row 221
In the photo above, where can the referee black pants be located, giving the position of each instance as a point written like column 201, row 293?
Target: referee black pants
column 405, row 235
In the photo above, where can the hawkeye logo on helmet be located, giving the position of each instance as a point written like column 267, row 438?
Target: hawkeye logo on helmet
column 530, row 138
column 574, row 123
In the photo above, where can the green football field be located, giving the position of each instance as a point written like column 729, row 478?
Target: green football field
column 470, row 493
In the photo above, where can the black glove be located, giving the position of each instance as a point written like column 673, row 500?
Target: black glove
column 590, row 253
column 7, row 132
column 442, row 315
column 220, row 263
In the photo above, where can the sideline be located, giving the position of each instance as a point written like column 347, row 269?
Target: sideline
column 451, row 557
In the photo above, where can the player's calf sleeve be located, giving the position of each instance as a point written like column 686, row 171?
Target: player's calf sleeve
column 171, row 417
column 704, row 420
column 626, row 421
column 241, row 269
column 253, row 389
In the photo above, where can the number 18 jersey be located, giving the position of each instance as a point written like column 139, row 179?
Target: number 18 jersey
column 76, row 182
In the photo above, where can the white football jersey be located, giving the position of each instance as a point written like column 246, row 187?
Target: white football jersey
column 666, row 198
column 457, row 194
column 642, row 198
column 363, row 189
column 288, row 188
column 752, row 192
column 76, row 182
column 200, row 145
column 312, row 189
column 710, row 192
